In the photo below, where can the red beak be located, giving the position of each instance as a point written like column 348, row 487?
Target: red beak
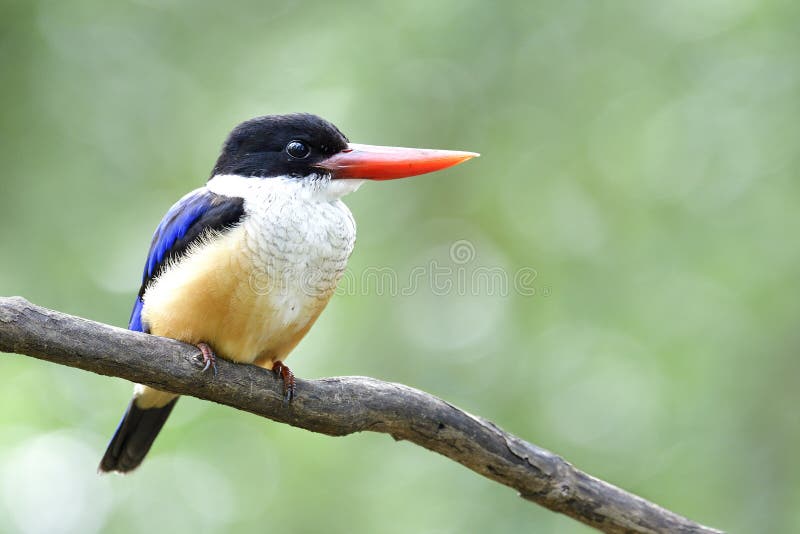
column 389, row 162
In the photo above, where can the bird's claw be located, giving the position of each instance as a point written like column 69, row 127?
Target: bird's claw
column 209, row 358
column 289, row 385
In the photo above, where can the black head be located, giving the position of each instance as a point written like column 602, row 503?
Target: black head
column 279, row 145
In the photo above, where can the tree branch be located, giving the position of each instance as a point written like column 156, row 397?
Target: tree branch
column 337, row 407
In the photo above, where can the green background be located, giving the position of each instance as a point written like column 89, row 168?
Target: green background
column 638, row 157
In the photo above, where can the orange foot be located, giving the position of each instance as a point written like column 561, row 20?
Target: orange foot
column 287, row 376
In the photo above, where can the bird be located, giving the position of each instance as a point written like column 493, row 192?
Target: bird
column 243, row 266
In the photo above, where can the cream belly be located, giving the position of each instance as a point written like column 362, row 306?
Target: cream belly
column 219, row 296
column 254, row 291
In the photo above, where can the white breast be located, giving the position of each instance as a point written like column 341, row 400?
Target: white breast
column 298, row 236
column 254, row 291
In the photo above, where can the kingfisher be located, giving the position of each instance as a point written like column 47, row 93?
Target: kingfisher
column 243, row 266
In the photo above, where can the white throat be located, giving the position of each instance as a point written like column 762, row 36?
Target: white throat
column 314, row 188
column 296, row 230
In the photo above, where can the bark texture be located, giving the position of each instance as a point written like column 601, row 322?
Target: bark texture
column 337, row 407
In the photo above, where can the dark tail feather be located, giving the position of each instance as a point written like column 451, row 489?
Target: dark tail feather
column 134, row 437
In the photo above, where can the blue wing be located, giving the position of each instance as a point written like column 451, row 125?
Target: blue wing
column 185, row 222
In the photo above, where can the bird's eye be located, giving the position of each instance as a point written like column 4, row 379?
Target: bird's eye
column 298, row 149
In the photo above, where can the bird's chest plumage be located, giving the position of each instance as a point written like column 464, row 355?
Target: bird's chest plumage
column 254, row 291
column 297, row 247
